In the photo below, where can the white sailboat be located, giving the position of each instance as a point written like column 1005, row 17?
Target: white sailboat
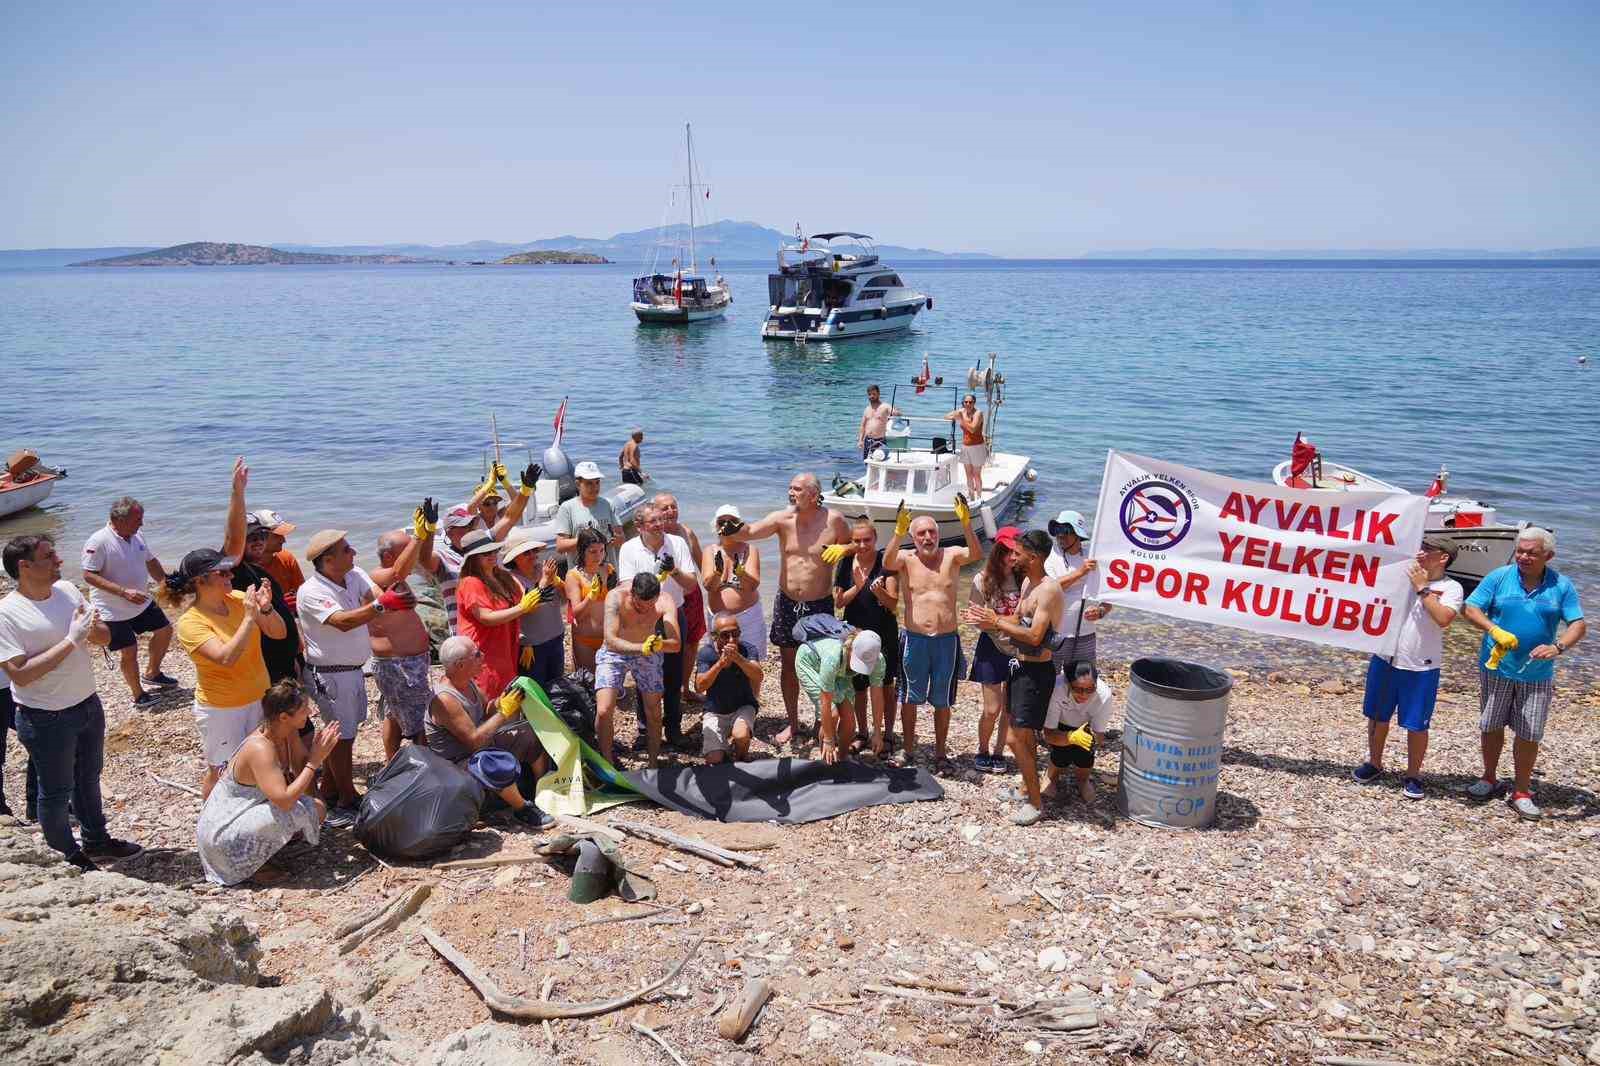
column 684, row 295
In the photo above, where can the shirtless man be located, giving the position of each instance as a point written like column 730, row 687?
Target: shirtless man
column 400, row 644
column 874, row 422
column 640, row 624
column 1026, row 635
column 930, row 663
column 805, row 580
column 731, row 574
column 630, row 459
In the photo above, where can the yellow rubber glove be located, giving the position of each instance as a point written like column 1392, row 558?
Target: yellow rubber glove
column 597, row 588
column 1081, row 737
column 501, row 476
column 531, row 599
column 510, row 703
column 1504, row 641
column 902, row 520
column 419, row 525
column 652, row 644
column 963, row 511
column 525, row 661
column 834, row 552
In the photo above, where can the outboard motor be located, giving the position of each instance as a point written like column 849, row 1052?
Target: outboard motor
column 558, row 467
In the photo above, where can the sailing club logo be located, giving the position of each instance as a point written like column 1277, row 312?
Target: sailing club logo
column 1155, row 515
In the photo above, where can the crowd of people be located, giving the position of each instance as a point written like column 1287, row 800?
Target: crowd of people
column 869, row 633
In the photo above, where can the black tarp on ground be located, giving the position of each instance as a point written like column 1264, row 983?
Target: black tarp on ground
column 787, row 791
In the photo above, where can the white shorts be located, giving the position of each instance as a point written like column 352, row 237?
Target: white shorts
column 223, row 729
column 340, row 696
column 753, row 629
column 974, row 455
column 716, row 730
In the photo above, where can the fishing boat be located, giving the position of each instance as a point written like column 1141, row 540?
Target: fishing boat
column 831, row 286
column 684, row 295
column 1482, row 542
column 920, row 462
column 25, row 482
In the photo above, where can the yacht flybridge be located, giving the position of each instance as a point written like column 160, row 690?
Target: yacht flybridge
column 831, row 286
column 684, row 295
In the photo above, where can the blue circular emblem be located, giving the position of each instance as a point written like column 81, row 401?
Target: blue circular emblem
column 1155, row 516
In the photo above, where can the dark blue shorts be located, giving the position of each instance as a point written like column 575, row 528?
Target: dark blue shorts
column 990, row 665
column 126, row 634
column 1411, row 692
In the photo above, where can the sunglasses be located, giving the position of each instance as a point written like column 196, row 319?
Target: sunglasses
column 1076, row 691
column 726, row 634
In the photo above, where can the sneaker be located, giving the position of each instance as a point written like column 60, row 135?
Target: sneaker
column 82, row 862
column 160, row 679
column 1523, row 804
column 532, row 817
column 1411, row 788
column 1366, row 773
column 111, row 848
column 1483, row 790
column 1027, row 814
column 342, row 817
column 146, row 699
column 983, row 762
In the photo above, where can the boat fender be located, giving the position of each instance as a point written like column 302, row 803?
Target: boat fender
column 883, row 312
column 1031, row 474
column 989, row 527
column 930, row 303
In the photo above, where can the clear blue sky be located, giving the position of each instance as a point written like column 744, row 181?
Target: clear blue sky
column 1021, row 129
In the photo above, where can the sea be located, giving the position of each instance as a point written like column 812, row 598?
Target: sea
column 354, row 391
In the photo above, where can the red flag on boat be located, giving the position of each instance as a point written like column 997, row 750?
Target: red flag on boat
column 927, row 376
column 561, row 421
column 1301, row 456
column 1438, row 486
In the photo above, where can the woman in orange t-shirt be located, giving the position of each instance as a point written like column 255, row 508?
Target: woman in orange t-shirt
column 491, row 605
column 974, row 449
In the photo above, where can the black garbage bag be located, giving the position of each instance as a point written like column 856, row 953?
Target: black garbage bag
column 572, row 698
column 418, row 805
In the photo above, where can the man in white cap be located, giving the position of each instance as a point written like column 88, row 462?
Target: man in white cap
column 587, row 509
column 631, row 460
column 731, row 570
column 445, row 566
column 1069, row 566
column 827, row 670
column 334, row 606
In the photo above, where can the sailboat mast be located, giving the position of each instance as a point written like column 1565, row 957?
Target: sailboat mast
column 694, row 265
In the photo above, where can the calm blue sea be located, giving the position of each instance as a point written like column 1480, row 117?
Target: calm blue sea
column 354, row 391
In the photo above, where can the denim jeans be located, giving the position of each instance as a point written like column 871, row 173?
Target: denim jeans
column 68, row 748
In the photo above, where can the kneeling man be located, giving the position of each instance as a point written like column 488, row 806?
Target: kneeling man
column 728, row 675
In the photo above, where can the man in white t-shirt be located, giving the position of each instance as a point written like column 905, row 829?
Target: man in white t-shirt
column 45, row 630
column 1409, row 681
column 669, row 557
column 117, row 566
column 334, row 606
column 1072, row 569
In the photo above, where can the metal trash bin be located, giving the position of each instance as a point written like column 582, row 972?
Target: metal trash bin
column 1172, row 743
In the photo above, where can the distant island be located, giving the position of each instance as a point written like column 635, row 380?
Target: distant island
column 552, row 258
column 211, row 253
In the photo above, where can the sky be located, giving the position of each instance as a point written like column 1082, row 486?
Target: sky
column 1021, row 129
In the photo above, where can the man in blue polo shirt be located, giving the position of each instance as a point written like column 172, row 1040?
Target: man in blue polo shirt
column 1520, row 608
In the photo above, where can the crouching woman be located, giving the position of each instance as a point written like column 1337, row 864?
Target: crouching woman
column 264, row 797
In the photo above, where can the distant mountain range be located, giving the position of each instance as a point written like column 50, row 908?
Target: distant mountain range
column 1346, row 253
column 729, row 241
column 212, row 253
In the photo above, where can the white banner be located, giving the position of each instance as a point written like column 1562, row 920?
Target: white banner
column 1328, row 567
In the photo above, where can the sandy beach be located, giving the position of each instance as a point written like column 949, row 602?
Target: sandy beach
column 1317, row 918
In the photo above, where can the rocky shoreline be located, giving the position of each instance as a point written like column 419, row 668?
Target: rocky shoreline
column 1319, row 918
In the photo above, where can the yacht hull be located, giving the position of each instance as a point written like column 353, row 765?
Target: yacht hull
column 651, row 315
column 1002, row 479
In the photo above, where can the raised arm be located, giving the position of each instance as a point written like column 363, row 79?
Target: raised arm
column 760, row 529
column 233, row 529
column 519, row 502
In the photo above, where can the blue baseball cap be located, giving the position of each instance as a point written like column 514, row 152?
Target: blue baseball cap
column 1072, row 521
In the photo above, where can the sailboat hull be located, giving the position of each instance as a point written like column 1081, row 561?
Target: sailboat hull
column 653, row 315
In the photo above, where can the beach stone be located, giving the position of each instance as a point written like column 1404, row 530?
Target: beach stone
column 1535, row 1000
column 1053, row 960
column 985, row 964
column 1032, row 1047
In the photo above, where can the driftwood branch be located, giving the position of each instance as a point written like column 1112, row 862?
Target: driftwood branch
column 544, row 997
column 536, row 1010
column 371, row 914
column 692, row 845
column 931, row 997
column 403, row 906
column 1340, row 1060
column 1181, row 989
column 653, row 1035
column 741, row 1016
column 195, row 792
column 646, row 913
column 492, row 860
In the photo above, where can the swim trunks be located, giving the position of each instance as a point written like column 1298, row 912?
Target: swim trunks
column 611, row 670
column 1028, row 699
column 403, row 690
column 786, row 612
column 929, row 668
